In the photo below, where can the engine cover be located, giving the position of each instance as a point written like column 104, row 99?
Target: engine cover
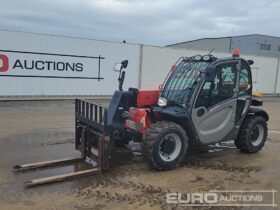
column 147, row 98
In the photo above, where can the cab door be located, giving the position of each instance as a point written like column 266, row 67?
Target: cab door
column 245, row 92
column 214, row 110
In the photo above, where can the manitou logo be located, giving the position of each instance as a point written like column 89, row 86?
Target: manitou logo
column 4, row 63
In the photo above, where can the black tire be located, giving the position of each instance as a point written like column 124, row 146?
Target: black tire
column 156, row 136
column 248, row 140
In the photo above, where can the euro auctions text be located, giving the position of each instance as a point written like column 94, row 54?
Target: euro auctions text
column 224, row 198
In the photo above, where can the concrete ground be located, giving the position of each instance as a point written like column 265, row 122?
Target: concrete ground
column 43, row 130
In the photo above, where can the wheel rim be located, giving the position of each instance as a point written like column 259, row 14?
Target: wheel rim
column 170, row 147
column 257, row 134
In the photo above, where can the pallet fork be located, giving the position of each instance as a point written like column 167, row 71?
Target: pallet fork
column 91, row 139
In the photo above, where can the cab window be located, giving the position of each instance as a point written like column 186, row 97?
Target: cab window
column 244, row 79
column 220, row 89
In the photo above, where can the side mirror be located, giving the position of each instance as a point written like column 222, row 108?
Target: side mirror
column 118, row 67
column 124, row 63
column 250, row 62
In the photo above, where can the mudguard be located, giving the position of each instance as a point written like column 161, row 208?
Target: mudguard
column 260, row 112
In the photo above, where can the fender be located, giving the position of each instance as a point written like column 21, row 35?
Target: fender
column 259, row 112
column 138, row 120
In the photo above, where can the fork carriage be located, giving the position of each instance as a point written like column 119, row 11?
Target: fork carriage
column 91, row 139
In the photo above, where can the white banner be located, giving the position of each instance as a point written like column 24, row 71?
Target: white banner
column 48, row 65
column 45, row 65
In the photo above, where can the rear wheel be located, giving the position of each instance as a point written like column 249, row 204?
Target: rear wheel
column 252, row 135
column 164, row 145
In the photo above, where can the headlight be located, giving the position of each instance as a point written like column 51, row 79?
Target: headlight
column 162, row 101
column 198, row 58
column 206, row 58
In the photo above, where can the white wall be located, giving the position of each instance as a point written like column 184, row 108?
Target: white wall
column 113, row 52
column 263, row 73
column 278, row 78
column 157, row 62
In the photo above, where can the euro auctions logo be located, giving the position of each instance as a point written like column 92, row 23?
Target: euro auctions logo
column 49, row 65
column 218, row 198
column 4, row 63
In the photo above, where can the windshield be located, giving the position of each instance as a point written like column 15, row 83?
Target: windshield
column 181, row 82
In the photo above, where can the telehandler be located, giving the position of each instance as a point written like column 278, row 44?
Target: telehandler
column 203, row 100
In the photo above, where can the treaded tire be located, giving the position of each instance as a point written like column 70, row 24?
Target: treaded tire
column 244, row 141
column 152, row 141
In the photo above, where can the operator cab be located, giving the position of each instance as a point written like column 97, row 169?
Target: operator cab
column 209, row 96
column 217, row 75
column 204, row 100
column 183, row 78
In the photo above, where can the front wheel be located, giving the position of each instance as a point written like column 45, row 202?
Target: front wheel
column 164, row 145
column 252, row 135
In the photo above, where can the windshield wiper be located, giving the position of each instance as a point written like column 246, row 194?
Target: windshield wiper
column 182, row 91
column 185, row 91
